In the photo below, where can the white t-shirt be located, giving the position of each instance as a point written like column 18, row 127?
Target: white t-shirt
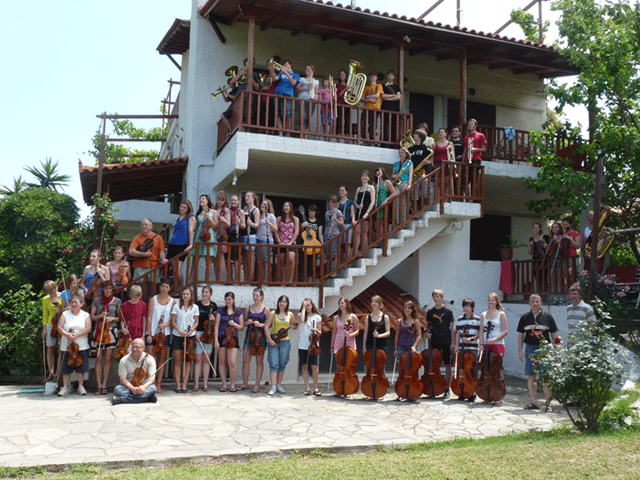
column 313, row 321
column 77, row 323
column 185, row 318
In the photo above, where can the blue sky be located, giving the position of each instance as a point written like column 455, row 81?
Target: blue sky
column 64, row 62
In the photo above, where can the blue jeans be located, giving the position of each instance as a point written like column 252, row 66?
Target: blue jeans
column 127, row 397
column 278, row 356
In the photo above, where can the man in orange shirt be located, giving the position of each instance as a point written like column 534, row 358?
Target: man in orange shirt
column 372, row 98
column 146, row 259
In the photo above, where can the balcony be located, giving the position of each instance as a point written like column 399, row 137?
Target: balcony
column 551, row 277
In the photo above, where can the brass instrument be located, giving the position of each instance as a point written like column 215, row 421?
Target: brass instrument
column 355, row 84
column 219, row 90
column 605, row 236
column 265, row 81
column 333, row 105
column 451, row 155
column 419, row 172
column 231, row 71
column 469, row 150
column 276, row 65
column 407, row 140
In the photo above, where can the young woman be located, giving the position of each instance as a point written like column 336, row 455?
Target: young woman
column 279, row 353
column 264, row 236
column 119, row 268
column 252, row 219
column 538, row 245
column 224, row 217
column 134, row 314
column 73, row 289
column 409, row 332
column 314, row 224
column 556, row 259
column 307, row 89
column 204, row 230
column 256, row 316
column 348, row 210
column 229, row 321
column 206, row 322
column 377, row 327
column 326, row 115
column 106, row 308
column 345, row 323
column 493, row 340
column 52, row 306
column 403, row 174
column 441, row 150
column 184, row 320
column 384, row 193
column 93, row 276
column 235, row 231
column 159, row 321
column 181, row 239
column 309, row 320
column 74, row 325
column 364, row 203
column 288, row 231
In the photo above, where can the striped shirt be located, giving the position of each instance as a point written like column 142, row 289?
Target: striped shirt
column 575, row 315
column 473, row 326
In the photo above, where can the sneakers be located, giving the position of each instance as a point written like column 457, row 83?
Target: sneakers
column 63, row 392
column 272, row 391
column 279, row 389
column 82, row 390
column 116, row 400
column 153, row 398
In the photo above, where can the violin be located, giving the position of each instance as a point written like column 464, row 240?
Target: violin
column 73, row 350
column 375, row 383
column 433, row 382
column 229, row 340
column 276, row 337
column 206, row 336
column 464, row 384
column 205, row 232
column 558, row 248
column 255, row 341
column 408, row 384
column 189, row 353
column 101, row 335
column 139, row 374
column 94, row 291
column 123, row 275
column 54, row 330
column 345, row 381
column 490, row 386
column 124, row 342
column 160, row 347
column 314, row 346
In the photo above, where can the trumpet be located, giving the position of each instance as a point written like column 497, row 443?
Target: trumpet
column 276, row 65
column 219, row 90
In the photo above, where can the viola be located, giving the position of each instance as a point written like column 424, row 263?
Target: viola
column 255, row 341
column 490, row 386
column 345, row 381
column 433, row 382
column 139, row 374
column 276, row 337
column 375, row 383
column 408, row 384
column 464, row 383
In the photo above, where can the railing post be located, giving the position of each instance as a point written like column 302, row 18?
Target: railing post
column 385, row 234
column 195, row 267
column 441, row 187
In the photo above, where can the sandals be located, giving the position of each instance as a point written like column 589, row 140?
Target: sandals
column 256, row 390
column 317, row 393
column 531, row 406
column 195, row 389
column 307, row 392
column 235, row 389
column 205, row 389
column 223, row 389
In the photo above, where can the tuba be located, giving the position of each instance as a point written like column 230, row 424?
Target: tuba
column 606, row 236
column 355, row 84
column 231, row 71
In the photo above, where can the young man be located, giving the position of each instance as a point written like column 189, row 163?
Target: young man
column 578, row 311
column 372, row 98
column 442, row 334
column 126, row 392
column 420, row 151
column 458, row 143
column 467, row 330
column 333, row 221
column 534, row 327
column 391, row 97
column 288, row 80
column 475, row 144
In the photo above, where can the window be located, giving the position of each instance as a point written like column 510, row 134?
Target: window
column 486, row 234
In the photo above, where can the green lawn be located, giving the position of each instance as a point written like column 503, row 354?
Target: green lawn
column 558, row 455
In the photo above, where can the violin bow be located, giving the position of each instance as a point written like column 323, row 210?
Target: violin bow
column 207, row 356
column 330, row 365
column 104, row 321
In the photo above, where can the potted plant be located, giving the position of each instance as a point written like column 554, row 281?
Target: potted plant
column 506, row 249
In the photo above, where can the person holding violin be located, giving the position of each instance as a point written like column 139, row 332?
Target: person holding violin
column 409, row 331
column 158, row 327
column 137, row 372
column 204, row 230
column 146, row 249
column 308, row 351
column 184, row 320
column 74, row 326
column 205, row 332
column 467, row 328
column 93, row 276
column 181, row 237
column 73, row 288
column 493, row 340
column 538, row 245
column 134, row 314
column 229, row 321
column 52, row 307
column 377, row 327
column 340, row 326
column 255, row 342
column 119, row 268
column 104, row 315
column 534, row 327
column 278, row 325
column 442, row 334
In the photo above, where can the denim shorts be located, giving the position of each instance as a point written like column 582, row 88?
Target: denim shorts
column 282, row 106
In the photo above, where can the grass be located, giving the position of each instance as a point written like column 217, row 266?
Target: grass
column 560, row 454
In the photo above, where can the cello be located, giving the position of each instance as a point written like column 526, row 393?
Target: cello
column 464, row 385
column 408, row 384
column 433, row 382
column 490, row 386
column 345, row 381
column 375, row 383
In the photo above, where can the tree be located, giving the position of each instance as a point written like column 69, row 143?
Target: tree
column 35, row 224
column 48, row 176
column 602, row 39
column 529, row 24
column 18, row 185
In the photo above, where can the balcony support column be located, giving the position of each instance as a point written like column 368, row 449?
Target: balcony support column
column 401, row 73
column 463, row 89
column 250, row 54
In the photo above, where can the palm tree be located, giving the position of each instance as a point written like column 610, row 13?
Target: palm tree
column 48, row 176
column 18, row 185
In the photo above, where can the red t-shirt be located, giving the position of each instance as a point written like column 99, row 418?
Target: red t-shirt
column 135, row 315
column 478, row 141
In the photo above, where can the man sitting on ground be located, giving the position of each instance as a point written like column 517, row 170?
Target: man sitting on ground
column 129, row 374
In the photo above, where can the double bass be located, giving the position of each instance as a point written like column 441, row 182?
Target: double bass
column 433, row 382
column 345, row 381
column 463, row 384
column 490, row 386
column 375, row 383
column 408, row 384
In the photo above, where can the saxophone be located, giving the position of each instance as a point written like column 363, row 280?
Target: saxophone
column 355, row 84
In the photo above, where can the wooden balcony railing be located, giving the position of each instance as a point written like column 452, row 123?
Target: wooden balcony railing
column 300, row 265
column 258, row 112
column 552, row 276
